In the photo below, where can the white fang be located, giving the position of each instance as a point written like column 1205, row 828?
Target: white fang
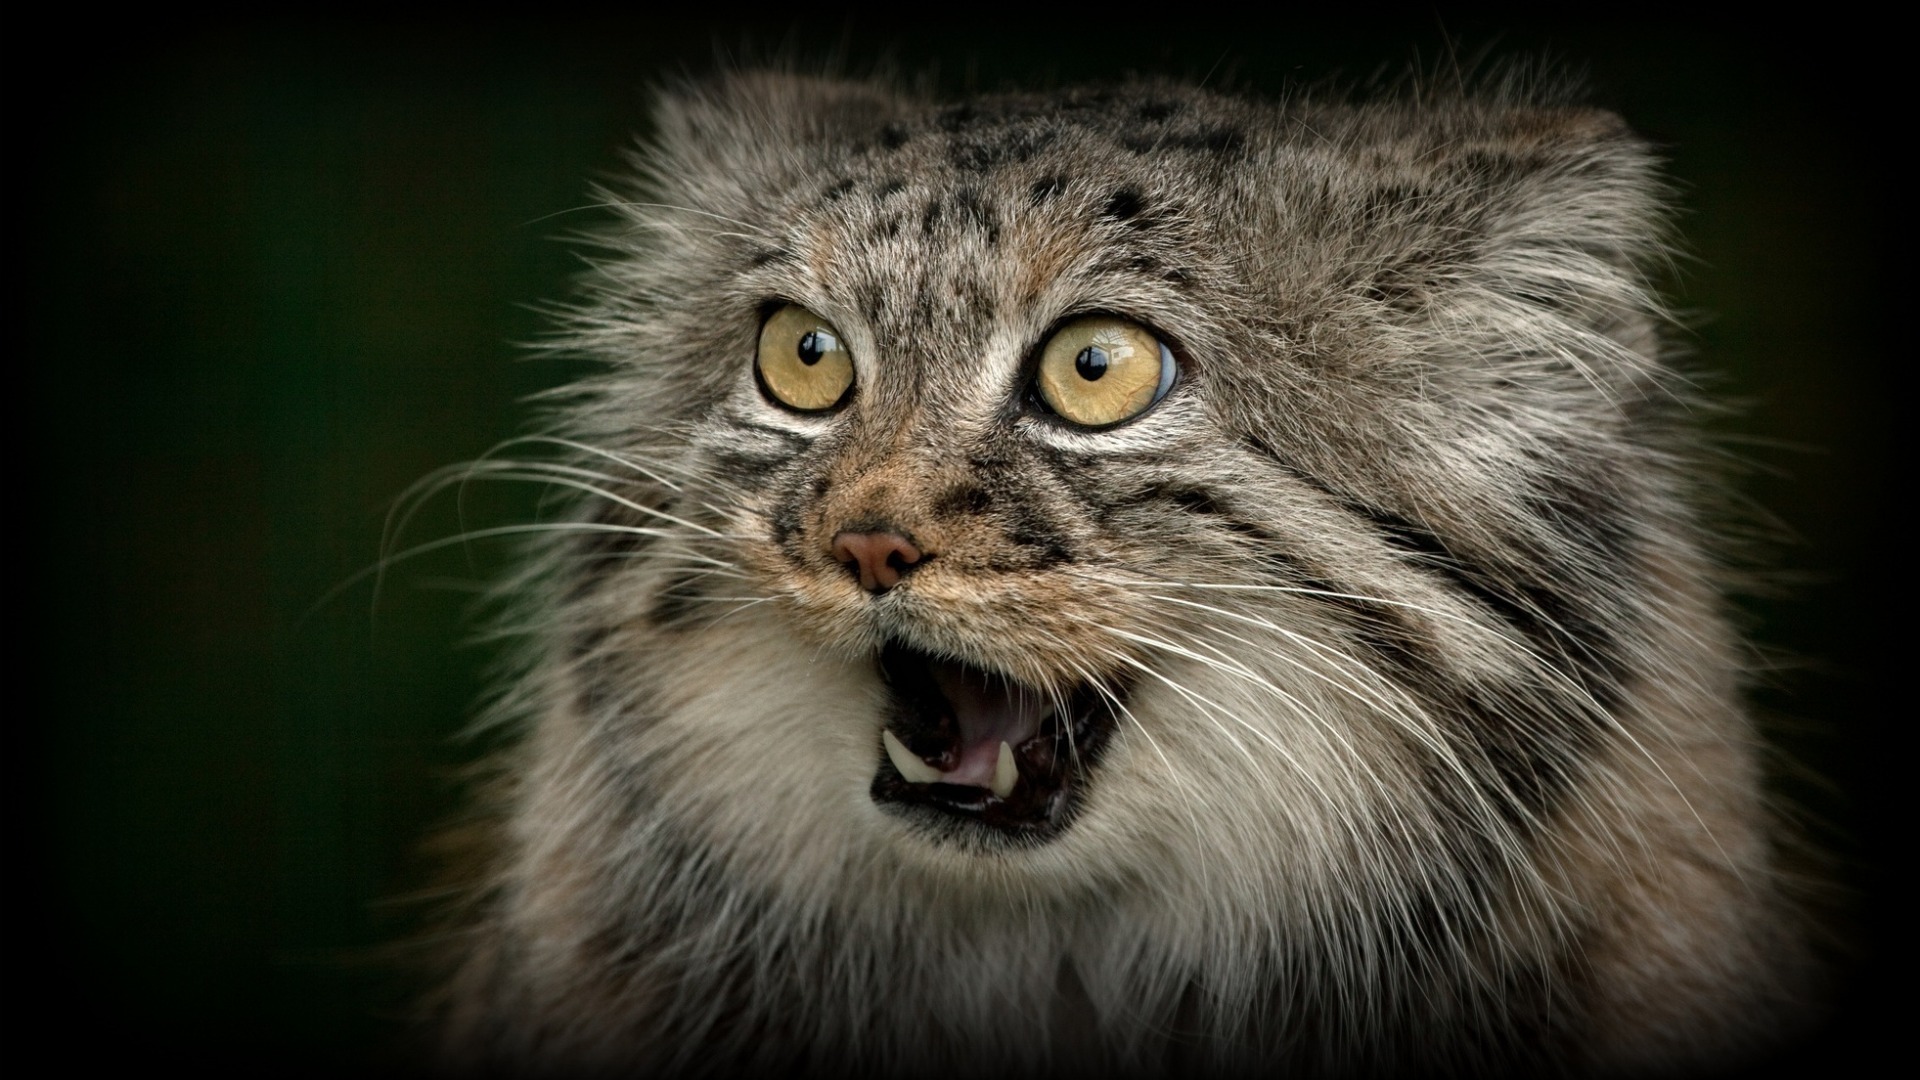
column 912, row 768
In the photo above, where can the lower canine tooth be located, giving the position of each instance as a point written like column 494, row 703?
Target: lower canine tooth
column 1004, row 774
column 911, row 767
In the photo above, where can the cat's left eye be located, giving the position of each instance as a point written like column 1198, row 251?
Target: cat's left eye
column 1100, row 370
column 802, row 362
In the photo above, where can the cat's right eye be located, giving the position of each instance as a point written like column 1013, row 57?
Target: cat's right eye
column 1103, row 370
column 802, row 363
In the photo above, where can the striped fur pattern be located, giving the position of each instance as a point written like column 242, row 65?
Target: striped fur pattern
column 1424, row 747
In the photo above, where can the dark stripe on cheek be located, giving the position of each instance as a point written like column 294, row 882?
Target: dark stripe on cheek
column 744, row 468
column 1535, row 766
column 1532, row 739
column 1559, row 626
column 795, row 443
column 1192, row 500
column 1528, row 740
column 601, row 550
column 1530, row 591
column 963, row 500
column 676, row 602
column 1520, row 756
column 1027, row 528
column 787, row 524
column 1263, row 546
column 1046, row 550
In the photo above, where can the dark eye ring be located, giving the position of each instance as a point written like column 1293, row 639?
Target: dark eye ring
column 1097, row 371
column 802, row 363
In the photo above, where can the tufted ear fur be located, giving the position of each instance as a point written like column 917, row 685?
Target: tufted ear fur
column 720, row 143
column 1488, row 231
column 1559, row 267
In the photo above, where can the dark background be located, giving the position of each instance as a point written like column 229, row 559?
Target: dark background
column 266, row 278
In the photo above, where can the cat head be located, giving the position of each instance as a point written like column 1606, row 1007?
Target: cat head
column 1257, row 473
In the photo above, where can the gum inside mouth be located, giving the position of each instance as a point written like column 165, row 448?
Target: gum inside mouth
column 972, row 745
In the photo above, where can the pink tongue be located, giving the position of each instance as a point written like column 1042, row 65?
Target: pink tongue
column 989, row 711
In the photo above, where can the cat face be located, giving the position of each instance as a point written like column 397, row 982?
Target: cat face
column 1113, row 474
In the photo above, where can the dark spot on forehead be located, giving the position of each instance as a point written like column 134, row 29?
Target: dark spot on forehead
column 986, row 150
column 1156, row 109
column 893, row 136
column 930, row 217
column 1120, row 262
column 761, row 256
column 972, row 157
column 975, row 297
column 890, row 187
column 839, row 191
column 1122, row 204
column 1046, row 190
column 971, row 209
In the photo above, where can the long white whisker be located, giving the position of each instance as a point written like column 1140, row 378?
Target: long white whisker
column 585, row 448
column 387, row 561
column 629, row 204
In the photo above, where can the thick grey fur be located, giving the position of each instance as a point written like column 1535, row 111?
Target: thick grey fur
column 1432, row 758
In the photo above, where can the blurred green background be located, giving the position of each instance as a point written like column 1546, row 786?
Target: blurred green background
column 272, row 276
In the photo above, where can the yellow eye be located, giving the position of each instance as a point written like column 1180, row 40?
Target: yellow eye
column 1100, row 370
column 802, row 362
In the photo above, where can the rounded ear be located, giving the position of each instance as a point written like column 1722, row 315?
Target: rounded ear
column 752, row 129
column 1522, row 232
column 1580, row 237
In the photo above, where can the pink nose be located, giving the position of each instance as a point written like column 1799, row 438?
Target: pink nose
column 880, row 559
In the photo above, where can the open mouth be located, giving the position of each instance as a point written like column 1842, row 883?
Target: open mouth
column 968, row 746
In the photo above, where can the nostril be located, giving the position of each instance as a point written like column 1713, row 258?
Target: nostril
column 878, row 559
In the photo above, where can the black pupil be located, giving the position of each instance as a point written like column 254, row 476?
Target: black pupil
column 1091, row 363
column 815, row 344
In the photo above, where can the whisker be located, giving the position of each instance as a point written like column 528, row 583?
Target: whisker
column 467, row 536
column 630, row 204
column 585, row 448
